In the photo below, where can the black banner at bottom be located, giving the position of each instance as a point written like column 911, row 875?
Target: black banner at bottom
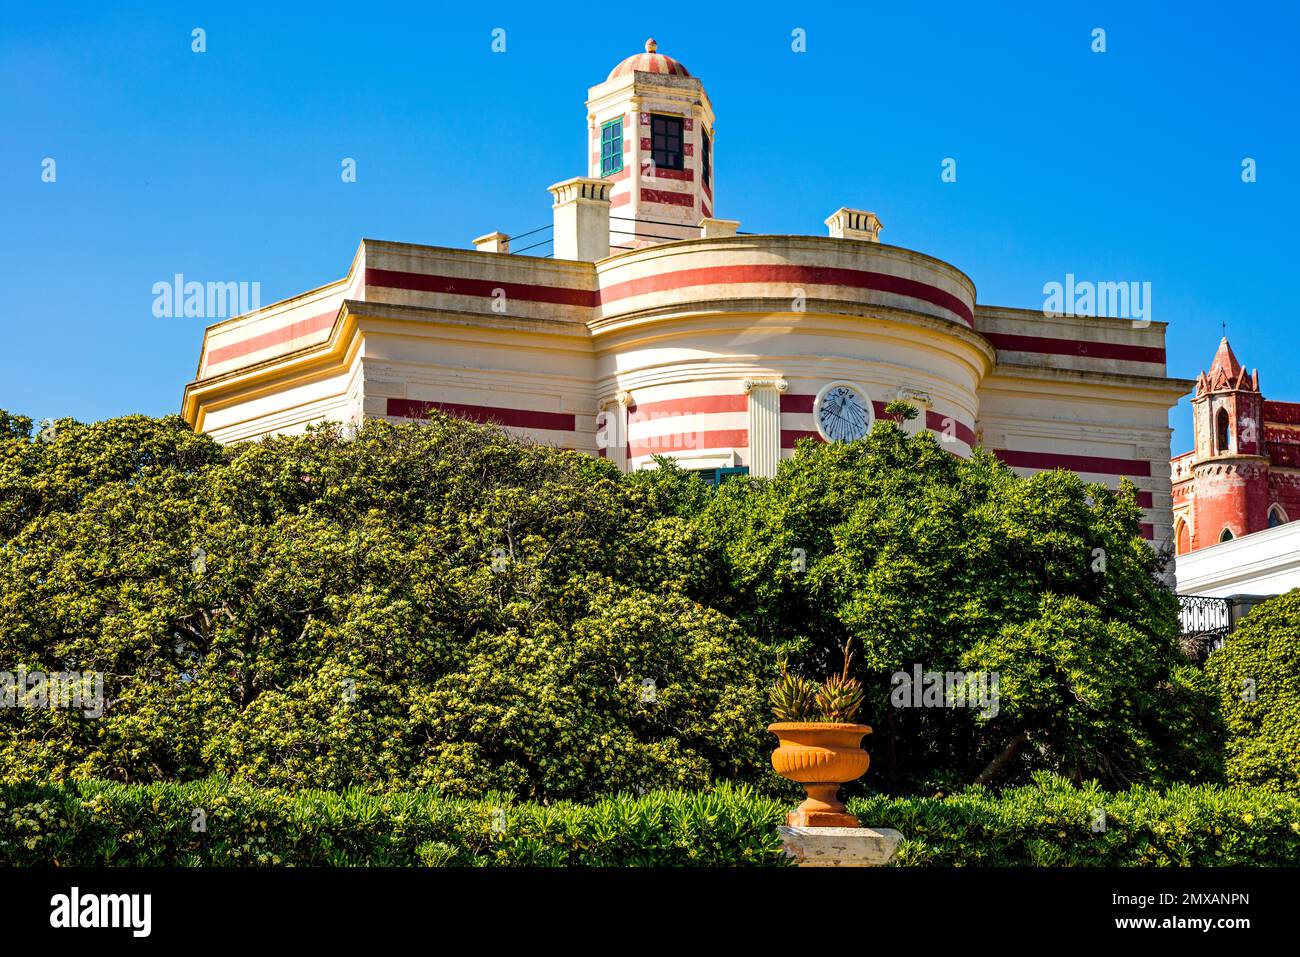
column 372, row 906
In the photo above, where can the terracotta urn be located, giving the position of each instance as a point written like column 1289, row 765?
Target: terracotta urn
column 821, row 756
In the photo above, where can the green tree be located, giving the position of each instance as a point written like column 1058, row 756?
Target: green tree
column 1257, row 676
column 422, row 605
column 1093, row 698
column 954, row 564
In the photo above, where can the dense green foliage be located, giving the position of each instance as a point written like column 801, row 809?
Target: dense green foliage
column 437, row 606
column 926, row 559
column 1257, row 674
column 1048, row 822
column 421, row 606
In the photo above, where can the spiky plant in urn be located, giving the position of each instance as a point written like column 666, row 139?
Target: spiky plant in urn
column 819, row 746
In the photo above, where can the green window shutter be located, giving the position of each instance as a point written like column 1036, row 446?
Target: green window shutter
column 611, row 147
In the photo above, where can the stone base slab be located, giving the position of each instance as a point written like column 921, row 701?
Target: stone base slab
column 840, row 846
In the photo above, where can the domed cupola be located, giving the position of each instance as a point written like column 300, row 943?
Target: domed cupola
column 649, row 62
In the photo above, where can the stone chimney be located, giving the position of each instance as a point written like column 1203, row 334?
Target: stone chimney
column 581, row 211
column 847, row 223
column 497, row 242
column 714, row 228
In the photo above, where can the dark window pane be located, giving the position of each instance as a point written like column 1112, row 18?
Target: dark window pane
column 666, row 141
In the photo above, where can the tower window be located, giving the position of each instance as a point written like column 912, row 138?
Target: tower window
column 1276, row 517
column 611, row 147
column 706, row 156
column 1226, row 535
column 716, row 477
column 1223, row 432
column 666, row 142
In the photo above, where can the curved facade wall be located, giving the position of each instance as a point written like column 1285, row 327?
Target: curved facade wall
column 715, row 351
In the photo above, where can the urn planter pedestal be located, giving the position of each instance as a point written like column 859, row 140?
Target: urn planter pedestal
column 820, row 755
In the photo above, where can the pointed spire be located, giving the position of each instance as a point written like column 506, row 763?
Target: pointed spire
column 1226, row 373
column 1225, row 363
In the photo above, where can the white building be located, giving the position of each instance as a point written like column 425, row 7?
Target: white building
column 1261, row 564
column 656, row 328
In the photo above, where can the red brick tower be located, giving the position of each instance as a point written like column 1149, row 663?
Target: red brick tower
column 1221, row 488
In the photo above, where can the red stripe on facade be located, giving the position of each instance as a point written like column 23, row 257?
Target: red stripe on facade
column 790, row 436
column 1075, row 347
column 667, row 197
column 1075, row 463
column 938, row 422
column 528, row 292
column 1148, row 531
column 780, row 272
column 708, row 190
column 797, row 403
column 303, row 327
column 517, row 418
column 460, row 286
column 1283, row 413
column 686, row 175
column 692, row 405
column 690, row 442
column 619, row 199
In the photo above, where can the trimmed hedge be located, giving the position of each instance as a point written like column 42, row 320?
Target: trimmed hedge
column 1051, row 823
column 98, row 823
column 1047, row 823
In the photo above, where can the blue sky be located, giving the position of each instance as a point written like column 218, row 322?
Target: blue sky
column 225, row 165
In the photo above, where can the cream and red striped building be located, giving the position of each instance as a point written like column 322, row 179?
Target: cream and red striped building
column 657, row 329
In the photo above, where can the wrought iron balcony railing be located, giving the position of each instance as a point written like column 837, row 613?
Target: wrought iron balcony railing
column 1206, row 623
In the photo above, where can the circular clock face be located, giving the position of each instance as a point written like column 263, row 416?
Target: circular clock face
column 843, row 413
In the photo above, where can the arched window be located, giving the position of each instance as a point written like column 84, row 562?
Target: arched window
column 1226, row 535
column 1223, row 432
column 1276, row 517
column 1183, row 539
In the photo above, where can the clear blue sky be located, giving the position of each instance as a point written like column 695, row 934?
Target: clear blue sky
column 225, row 165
